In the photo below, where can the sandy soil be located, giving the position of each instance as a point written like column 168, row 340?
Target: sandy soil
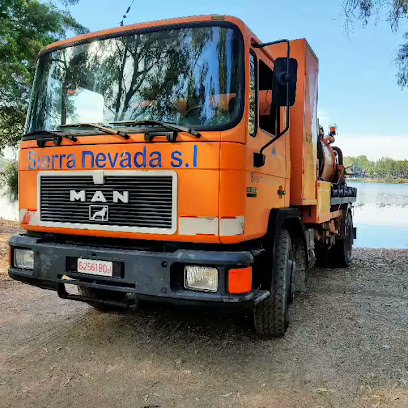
column 347, row 346
column 7, row 228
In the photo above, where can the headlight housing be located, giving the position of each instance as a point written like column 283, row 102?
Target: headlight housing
column 201, row 278
column 24, row 258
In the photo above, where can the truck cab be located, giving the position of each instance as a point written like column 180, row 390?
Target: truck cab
column 176, row 161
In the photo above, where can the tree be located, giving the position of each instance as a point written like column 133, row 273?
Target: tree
column 26, row 26
column 396, row 11
column 401, row 168
column 385, row 168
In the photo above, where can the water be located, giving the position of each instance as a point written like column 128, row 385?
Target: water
column 381, row 214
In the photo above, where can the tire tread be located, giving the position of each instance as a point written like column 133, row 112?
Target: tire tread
column 270, row 315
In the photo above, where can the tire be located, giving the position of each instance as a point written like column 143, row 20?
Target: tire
column 271, row 316
column 101, row 294
column 323, row 256
column 300, row 257
column 342, row 251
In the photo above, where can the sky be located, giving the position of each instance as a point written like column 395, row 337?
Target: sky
column 357, row 74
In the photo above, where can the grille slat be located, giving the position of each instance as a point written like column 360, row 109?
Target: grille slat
column 72, row 208
column 150, row 203
column 124, row 181
column 50, row 211
column 117, row 218
column 129, row 184
column 72, row 205
column 144, row 224
column 115, row 181
column 140, row 202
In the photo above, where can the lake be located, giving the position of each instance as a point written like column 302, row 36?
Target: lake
column 380, row 214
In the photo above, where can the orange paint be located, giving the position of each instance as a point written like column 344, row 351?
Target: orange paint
column 222, row 186
column 303, row 123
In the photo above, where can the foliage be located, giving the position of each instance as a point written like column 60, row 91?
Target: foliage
column 385, row 168
column 26, row 26
column 396, row 11
column 9, row 175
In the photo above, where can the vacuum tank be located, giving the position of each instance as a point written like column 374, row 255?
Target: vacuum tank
column 330, row 158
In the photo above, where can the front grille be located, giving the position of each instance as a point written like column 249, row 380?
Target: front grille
column 148, row 201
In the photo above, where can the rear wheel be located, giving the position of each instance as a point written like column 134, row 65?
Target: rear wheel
column 323, row 255
column 100, row 294
column 271, row 316
column 343, row 249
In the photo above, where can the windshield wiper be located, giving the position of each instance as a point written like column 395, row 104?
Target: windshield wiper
column 57, row 136
column 101, row 128
column 167, row 125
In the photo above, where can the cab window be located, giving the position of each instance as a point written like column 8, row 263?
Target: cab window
column 268, row 117
column 252, row 122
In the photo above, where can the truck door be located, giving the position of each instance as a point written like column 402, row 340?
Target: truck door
column 267, row 185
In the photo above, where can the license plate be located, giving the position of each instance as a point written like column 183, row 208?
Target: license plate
column 94, row 267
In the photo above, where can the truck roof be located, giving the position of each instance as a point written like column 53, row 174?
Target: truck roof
column 246, row 32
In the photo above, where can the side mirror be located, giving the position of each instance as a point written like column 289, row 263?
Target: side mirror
column 259, row 159
column 284, row 85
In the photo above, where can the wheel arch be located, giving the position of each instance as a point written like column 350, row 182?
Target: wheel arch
column 291, row 220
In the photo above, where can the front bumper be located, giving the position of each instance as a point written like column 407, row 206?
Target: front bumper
column 142, row 274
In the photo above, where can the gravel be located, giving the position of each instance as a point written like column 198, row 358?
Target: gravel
column 346, row 346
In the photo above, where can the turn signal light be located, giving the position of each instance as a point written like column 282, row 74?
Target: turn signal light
column 240, row 280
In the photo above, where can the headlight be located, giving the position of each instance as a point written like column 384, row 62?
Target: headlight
column 23, row 258
column 201, row 278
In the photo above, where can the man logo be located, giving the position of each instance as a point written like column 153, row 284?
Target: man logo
column 98, row 213
column 98, row 196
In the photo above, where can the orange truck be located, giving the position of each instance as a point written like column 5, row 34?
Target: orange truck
column 180, row 161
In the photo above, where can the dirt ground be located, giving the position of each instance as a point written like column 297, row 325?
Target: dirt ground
column 347, row 346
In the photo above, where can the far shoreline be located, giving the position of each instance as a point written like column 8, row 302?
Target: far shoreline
column 375, row 180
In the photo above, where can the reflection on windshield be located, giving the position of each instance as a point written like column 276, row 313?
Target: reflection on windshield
column 189, row 76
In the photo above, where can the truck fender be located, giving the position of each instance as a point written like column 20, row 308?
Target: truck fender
column 291, row 220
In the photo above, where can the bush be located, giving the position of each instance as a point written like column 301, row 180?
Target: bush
column 9, row 176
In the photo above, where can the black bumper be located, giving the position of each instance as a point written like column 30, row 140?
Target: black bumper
column 145, row 275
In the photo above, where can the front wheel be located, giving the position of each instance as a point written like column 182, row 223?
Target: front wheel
column 271, row 316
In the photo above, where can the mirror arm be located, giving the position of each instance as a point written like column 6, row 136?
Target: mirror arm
column 280, row 133
column 269, row 143
column 261, row 45
column 259, row 158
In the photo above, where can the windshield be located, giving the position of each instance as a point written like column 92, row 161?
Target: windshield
column 187, row 76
